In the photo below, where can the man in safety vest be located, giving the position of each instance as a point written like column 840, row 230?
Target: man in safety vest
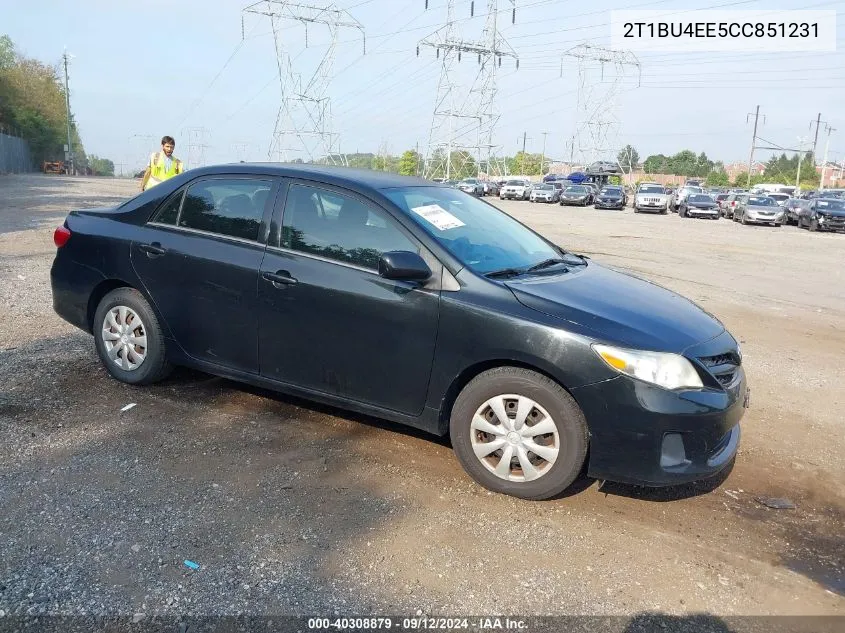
column 162, row 165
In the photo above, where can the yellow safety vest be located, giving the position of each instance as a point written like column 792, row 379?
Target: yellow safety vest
column 158, row 169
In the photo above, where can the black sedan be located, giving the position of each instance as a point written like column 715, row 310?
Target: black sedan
column 611, row 197
column 415, row 302
column 699, row 205
column 823, row 214
column 579, row 195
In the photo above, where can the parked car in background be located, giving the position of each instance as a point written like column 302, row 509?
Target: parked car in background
column 472, row 186
column 491, row 188
column 699, row 205
column 514, row 190
column 720, row 199
column 539, row 364
column 823, row 214
column 780, row 198
column 682, row 194
column 611, row 197
column 792, row 208
column 651, row 196
column 731, row 202
column 758, row 209
column 580, row 195
column 544, row 192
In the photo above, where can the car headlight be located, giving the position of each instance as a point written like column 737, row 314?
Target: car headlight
column 670, row 371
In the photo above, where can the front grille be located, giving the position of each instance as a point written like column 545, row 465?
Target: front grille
column 723, row 367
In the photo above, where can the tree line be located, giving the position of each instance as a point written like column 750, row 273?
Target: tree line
column 32, row 106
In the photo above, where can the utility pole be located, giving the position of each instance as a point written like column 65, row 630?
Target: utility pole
column 816, row 140
column 753, row 143
column 67, row 104
column 543, row 155
column 801, row 142
column 824, row 160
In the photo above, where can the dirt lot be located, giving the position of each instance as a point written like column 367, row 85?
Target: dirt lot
column 292, row 508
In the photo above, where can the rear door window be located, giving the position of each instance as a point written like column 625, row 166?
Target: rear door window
column 231, row 207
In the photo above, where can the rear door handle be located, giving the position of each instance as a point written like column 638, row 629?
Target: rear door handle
column 153, row 250
column 281, row 277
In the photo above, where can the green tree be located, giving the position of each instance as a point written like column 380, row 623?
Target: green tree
column 718, row 178
column 101, row 166
column 409, row 163
column 32, row 99
column 656, row 164
column 526, row 164
column 740, row 179
column 628, row 158
column 7, row 52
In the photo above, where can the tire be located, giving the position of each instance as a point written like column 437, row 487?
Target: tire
column 814, row 225
column 636, row 209
column 566, row 418
column 153, row 366
column 742, row 219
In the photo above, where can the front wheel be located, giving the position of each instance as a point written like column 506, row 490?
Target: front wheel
column 129, row 339
column 814, row 225
column 519, row 433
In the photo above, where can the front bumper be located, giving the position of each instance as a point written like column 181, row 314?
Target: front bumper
column 609, row 204
column 505, row 195
column 542, row 199
column 703, row 213
column 832, row 223
column 657, row 207
column 637, row 430
column 756, row 218
column 572, row 201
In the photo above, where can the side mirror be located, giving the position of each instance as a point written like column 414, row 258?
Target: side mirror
column 403, row 266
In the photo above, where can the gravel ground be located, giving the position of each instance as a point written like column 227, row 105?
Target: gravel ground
column 291, row 508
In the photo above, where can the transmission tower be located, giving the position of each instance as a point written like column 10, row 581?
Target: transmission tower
column 196, row 142
column 602, row 74
column 464, row 121
column 303, row 127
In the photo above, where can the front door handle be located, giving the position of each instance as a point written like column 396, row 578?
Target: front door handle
column 153, row 250
column 279, row 278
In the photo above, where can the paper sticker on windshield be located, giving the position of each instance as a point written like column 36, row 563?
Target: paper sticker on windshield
column 439, row 217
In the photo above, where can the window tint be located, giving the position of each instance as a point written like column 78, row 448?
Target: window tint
column 228, row 207
column 169, row 213
column 339, row 227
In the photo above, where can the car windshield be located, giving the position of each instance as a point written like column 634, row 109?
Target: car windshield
column 761, row 201
column 612, row 190
column 779, row 196
column 689, row 190
column 651, row 189
column 476, row 233
column 831, row 205
column 722, row 196
column 544, row 187
column 517, row 183
column 470, row 181
column 576, row 189
column 700, row 198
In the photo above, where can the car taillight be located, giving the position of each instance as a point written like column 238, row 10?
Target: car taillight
column 60, row 236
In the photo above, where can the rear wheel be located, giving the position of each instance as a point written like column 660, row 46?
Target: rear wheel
column 519, row 433
column 129, row 339
column 814, row 225
column 742, row 219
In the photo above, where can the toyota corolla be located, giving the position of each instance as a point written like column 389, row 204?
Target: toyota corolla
column 414, row 302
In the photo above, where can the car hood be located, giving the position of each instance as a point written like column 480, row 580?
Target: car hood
column 619, row 308
column 652, row 195
column 839, row 213
column 763, row 207
column 611, row 196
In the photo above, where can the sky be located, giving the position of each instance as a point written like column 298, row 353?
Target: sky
column 207, row 74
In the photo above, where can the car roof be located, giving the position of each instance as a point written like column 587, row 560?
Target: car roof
column 336, row 175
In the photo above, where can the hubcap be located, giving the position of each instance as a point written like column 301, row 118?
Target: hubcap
column 514, row 438
column 124, row 337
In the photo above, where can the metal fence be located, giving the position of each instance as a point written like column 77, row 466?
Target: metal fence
column 14, row 155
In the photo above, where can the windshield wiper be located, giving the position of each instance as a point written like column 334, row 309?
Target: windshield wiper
column 504, row 272
column 547, row 263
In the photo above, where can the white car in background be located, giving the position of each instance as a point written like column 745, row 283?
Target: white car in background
column 515, row 189
column 651, row 196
